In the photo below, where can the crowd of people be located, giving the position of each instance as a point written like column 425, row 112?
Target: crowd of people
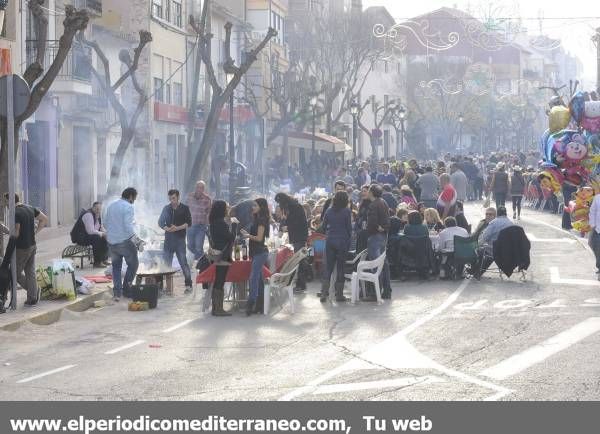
column 373, row 206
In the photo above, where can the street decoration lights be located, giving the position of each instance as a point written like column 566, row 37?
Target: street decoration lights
column 229, row 76
column 354, row 108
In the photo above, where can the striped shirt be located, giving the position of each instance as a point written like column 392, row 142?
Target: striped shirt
column 199, row 208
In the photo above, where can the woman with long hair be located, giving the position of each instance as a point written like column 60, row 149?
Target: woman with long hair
column 433, row 220
column 221, row 238
column 338, row 226
column 360, row 225
column 259, row 253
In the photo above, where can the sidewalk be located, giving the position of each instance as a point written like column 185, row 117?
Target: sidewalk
column 50, row 243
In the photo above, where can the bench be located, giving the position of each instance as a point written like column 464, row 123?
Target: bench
column 76, row 251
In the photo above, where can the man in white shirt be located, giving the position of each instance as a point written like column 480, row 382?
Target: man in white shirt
column 594, row 239
column 446, row 238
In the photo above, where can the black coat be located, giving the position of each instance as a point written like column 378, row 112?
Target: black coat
column 297, row 224
column 221, row 238
column 511, row 250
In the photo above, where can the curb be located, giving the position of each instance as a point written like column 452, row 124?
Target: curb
column 52, row 316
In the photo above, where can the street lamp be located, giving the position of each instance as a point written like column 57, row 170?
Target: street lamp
column 402, row 115
column 460, row 123
column 354, row 111
column 229, row 76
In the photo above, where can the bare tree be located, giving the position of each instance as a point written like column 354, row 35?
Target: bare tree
column 127, row 122
column 40, row 82
column 220, row 95
column 381, row 114
column 341, row 53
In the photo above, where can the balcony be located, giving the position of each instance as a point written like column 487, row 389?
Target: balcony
column 90, row 103
column 94, row 7
column 76, row 66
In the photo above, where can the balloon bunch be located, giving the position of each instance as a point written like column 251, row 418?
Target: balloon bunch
column 570, row 150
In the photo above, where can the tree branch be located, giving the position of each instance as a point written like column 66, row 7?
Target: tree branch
column 75, row 21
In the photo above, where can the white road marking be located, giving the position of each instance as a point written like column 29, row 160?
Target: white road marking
column 581, row 241
column 383, row 384
column 555, row 278
column 538, row 353
column 532, row 237
column 397, row 353
column 125, row 347
column 45, row 374
column 178, row 326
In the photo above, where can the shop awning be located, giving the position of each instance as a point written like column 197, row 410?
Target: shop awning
column 323, row 142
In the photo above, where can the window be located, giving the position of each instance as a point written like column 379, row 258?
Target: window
column 177, row 14
column 178, row 94
column 168, row 93
column 157, row 8
column 277, row 22
column 167, row 10
column 158, row 90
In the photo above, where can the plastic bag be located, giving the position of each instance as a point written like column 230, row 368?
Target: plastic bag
column 63, row 280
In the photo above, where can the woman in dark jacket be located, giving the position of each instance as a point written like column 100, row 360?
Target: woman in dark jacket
column 415, row 226
column 259, row 252
column 499, row 185
column 338, row 225
column 296, row 225
column 221, row 238
column 360, row 225
column 517, row 187
column 461, row 220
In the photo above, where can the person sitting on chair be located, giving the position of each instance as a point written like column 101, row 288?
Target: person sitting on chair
column 447, row 243
column 487, row 239
column 88, row 231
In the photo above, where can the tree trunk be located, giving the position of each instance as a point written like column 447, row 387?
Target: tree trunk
column 200, row 165
column 115, row 171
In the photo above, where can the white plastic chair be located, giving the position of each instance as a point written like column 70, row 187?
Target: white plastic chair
column 352, row 262
column 280, row 281
column 362, row 274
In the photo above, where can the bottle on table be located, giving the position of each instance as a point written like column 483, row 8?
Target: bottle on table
column 245, row 251
column 237, row 253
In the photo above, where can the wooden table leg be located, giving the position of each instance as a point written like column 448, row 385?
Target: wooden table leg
column 169, row 280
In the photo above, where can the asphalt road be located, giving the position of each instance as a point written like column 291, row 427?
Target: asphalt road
column 467, row 340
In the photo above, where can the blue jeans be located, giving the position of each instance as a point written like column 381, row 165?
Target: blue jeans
column 195, row 239
column 125, row 250
column 177, row 247
column 376, row 245
column 256, row 277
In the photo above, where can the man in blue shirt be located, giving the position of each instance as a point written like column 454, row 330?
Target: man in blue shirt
column 386, row 177
column 120, row 234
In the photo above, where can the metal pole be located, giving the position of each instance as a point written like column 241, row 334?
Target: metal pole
column 597, row 59
column 10, row 120
column 231, row 151
column 354, row 136
column 402, row 138
column 263, row 132
column 312, row 156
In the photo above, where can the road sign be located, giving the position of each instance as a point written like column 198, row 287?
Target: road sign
column 21, row 94
column 377, row 133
